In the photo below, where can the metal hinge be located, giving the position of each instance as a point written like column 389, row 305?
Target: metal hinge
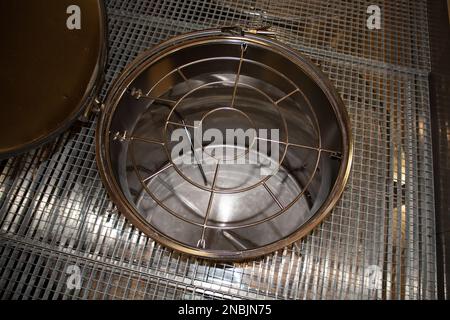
column 93, row 108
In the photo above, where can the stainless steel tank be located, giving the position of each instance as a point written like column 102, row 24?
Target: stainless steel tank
column 226, row 200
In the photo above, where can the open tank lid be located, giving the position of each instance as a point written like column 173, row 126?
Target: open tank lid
column 52, row 62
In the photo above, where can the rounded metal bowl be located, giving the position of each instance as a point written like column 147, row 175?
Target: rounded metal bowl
column 163, row 164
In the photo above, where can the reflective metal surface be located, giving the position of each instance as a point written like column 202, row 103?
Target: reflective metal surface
column 49, row 73
column 379, row 241
column 218, row 207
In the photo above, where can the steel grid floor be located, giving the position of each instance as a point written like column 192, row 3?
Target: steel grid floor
column 379, row 242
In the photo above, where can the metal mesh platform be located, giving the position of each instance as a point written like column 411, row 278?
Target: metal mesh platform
column 379, row 242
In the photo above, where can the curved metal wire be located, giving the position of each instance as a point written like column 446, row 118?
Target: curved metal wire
column 213, row 190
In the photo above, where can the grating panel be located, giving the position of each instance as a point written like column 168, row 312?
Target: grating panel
column 377, row 244
column 331, row 28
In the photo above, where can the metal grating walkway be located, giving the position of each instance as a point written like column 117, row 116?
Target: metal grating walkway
column 379, row 242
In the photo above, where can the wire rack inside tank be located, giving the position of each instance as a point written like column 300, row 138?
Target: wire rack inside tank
column 57, row 225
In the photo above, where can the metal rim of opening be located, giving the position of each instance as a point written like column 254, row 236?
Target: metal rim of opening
column 133, row 70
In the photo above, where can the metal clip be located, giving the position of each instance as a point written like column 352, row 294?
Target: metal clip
column 137, row 93
column 336, row 156
column 263, row 31
column 241, row 31
column 120, row 136
column 201, row 244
